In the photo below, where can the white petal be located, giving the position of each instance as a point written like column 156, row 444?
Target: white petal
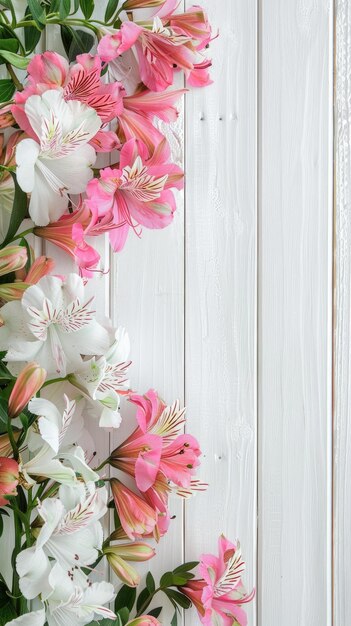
column 75, row 456
column 52, row 511
column 119, row 350
column 33, row 568
column 27, row 152
column 95, row 597
column 35, row 618
column 50, row 421
column 46, row 205
column 74, row 170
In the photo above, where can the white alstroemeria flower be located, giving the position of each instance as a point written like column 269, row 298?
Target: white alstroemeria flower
column 35, row 618
column 73, row 538
column 103, row 379
column 71, row 603
column 60, row 162
column 53, row 324
column 58, row 432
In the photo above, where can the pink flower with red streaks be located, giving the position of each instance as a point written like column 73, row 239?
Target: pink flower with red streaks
column 136, row 193
column 218, row 596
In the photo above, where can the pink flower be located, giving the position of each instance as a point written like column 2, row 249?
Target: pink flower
column 194, row 23
column 156, row 447
column 219, row 594
column 136, row 193
column 9, row 476
column 81, row 81
column 136, row 516
column 160, row 51
column 68, row 234
column 28, row 383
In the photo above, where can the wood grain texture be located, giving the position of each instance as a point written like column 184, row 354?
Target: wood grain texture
column 220, row 357
column 342, row 356
column 294, row 337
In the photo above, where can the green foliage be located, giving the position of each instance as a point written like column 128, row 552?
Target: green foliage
column 7, row 89
column 19, row 211
column 111, row 9
column 125, row 598
column 14, row 59
column 75, row 41
column 37, row 12
column 7, row 610
column 87, row 7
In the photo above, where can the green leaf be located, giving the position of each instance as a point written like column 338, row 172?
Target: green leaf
column 125, row 598
column 179, row 598
column 7, row 610
column 143, row 597
column 18, row 213
column 174, row 621
column 37, row 12
column 7, row 89
column 64, row 8
column 150, row 582
column 155, row 612
column 166, row 580
column 75, row 41
column 111, row 9
column 87, row 7
column 15, row 59
column 31, row 38
column 123, row 615
column 3, row 411
column 11, row 44
column 186, row 567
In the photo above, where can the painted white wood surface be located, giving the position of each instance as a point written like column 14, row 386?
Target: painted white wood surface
column 229, row 309
column 342, row 412
column 294, row 314
column 220, row 287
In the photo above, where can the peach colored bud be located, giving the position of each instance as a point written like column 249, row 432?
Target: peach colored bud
column 125, row 572
column 13, row 291
column 29, row 381
column 144, row 620
column 40, row 268
column 130, row 5
column 8, row 478
column 5, row 445
column 12, row 258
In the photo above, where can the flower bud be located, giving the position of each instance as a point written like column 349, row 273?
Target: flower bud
column 125, row 572
column 8, row 478
column 12, row 258
column 29, row 381
column 144, row 620
column 130, row 5
column 40, row 268
column 13, row 291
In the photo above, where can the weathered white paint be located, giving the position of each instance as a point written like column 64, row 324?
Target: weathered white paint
column 294, row 314
column 342, row 306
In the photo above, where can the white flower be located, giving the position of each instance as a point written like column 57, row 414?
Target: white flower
column 101, row 380
column 55, row 443
column 35, row 618
column 73, row 538
column 53, row 324
column 59, row 163
column 74, row 603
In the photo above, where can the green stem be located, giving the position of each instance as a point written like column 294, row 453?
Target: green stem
column 12, row 440
column 15, row 578
column 13, row 75
column 54, row 380
column 99, row 467
column 21, row 235
column 6, row 104
column 147, row 602
column 50, row 491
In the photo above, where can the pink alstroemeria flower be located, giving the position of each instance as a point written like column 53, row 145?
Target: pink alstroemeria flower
column 136, row 193
column 160, row 51
column 156, row 447
column 144, row 620
column 81, row 81
column 219, row 594
column 68, row 234
column 135, row 514
column 9, row 476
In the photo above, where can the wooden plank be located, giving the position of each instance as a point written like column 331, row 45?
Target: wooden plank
column 342, row 355
column 220, row 353
column 294, row 337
